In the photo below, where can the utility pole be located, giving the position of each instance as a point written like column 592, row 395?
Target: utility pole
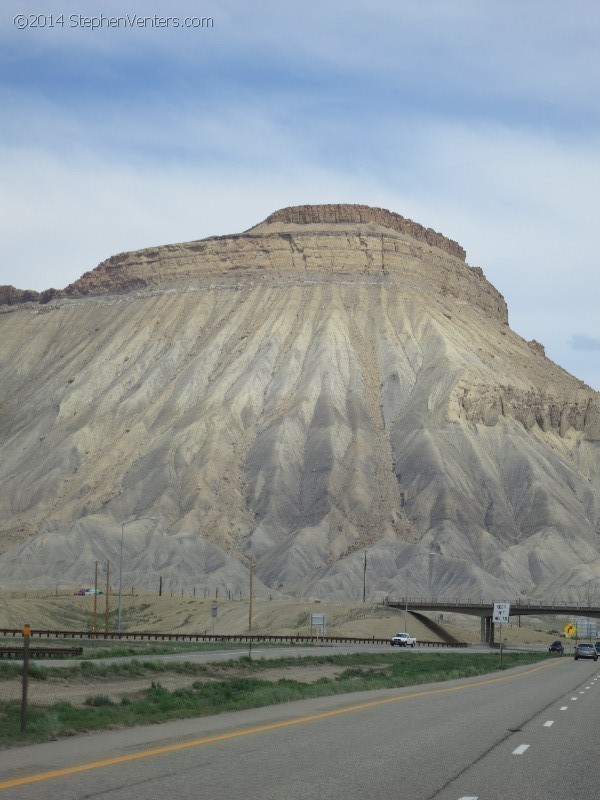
column 107, row 595
column 406, row 603
column 365, row 576
column 123, row 525
column 589, row 620
column 250, row 607
column 26, row 630
column 95, row 617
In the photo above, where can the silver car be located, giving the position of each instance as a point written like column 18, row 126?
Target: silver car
column 585, row 650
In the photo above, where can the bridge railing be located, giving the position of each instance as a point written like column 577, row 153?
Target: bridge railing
column 519, row 604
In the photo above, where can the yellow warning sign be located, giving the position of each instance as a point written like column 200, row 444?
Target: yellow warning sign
column 570, row 629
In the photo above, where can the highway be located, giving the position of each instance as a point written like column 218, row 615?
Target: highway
column 527, row 733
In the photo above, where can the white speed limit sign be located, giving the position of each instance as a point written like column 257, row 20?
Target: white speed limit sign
column 501, row 612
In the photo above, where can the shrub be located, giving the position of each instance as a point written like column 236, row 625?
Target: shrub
column 98, row 700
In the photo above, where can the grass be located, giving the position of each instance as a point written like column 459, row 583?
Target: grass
column 134, row 668
column 245, row 689
column 101, row 648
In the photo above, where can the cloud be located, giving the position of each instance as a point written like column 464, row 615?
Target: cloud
column 62, row 216
column 519, row 201
column 478, row 120
column 588, row 343
column 465, row 58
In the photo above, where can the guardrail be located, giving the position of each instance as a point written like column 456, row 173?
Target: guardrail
column 40, row 652
column 207, row 637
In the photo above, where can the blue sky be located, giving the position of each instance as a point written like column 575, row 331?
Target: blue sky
column 479, row 119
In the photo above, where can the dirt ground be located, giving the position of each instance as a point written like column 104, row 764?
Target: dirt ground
column 77, row 691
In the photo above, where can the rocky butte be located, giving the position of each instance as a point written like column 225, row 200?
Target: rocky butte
column 335, row 380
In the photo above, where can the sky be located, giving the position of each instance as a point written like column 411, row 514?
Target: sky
column 478, row 118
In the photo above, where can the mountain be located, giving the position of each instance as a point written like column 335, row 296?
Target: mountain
column 334, row 381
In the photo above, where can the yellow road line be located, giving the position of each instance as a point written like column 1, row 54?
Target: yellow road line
column 261, row 729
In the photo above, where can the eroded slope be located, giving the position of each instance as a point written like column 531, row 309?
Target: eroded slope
column 294, row 395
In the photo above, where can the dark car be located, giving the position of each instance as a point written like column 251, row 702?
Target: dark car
column 556, row 647
column 597, row 646
column 586, row 650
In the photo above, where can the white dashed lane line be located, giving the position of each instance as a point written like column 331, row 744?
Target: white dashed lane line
column 522, row 748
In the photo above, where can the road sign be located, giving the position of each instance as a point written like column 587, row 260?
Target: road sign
column 318, row 621
column 570, row 629
column 501, row 612
column 213, row 609
column 586, row 628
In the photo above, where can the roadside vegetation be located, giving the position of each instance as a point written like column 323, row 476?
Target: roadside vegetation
column 227, row 686
column 101, row 648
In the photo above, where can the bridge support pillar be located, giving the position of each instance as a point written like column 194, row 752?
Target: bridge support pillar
column 487, row 630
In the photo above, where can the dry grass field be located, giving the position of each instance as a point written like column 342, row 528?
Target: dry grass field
column 169, row 614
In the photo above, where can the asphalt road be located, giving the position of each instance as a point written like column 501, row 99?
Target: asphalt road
column 525, row 733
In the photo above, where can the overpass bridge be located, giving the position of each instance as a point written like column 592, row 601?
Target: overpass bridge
column 484, row 609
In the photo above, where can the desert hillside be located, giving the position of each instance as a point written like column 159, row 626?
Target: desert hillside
column 334, row 381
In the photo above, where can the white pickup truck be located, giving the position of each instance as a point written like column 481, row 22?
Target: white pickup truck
column 403, row 640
